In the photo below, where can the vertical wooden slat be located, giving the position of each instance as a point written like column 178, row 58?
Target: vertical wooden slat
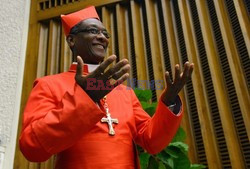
column 174, row 59
column 57, row 46
column 50, row 58
column 211, row 148
column 42, row 166
column 154, row 36
column 48, row 164
column 171, row 35
column 107, row 20
column 122, row 31
column 122, row 28
column 50, row 4
column 53, row 65
column 244, row 22
column 241, row 87
column 44, row 5
column 63, row 56
column 42, row 52
column 38, row 6
column 53, row 51
column 139, row 41
column 66, row 54
column 34, row 165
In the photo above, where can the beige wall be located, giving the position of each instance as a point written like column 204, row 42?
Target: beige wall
column 13, row 33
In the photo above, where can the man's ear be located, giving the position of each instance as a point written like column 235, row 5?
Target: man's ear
column 71, row 40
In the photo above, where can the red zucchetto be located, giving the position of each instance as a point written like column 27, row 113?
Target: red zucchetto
column 70, row 20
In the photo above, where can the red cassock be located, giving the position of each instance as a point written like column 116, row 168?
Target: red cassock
column 60, row 118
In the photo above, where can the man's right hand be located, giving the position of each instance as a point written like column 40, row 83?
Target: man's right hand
column 117, row 73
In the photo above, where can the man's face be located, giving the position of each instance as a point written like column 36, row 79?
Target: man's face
column 90, row 43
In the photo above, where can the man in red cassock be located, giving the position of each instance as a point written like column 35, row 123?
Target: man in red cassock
column 86, row 117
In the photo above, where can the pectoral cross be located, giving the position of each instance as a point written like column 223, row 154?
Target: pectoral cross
column 110, row 122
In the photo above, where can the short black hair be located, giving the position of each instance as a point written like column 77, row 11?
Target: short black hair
column 75, row 29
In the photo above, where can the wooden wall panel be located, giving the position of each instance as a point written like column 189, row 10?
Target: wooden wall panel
column 122, row 32
column 199, row 89
column 234, row 62
column 52, row 12
column 241, row 44
column 42, row 52
column 154, row 36
column 238, row 78
column 65, row 55
column 53, row 48
column 244, row 22
column 218, row 80
column 34, row 166
column 171, row 33
column 139, row 41
column 175, row 59
column 108, row 22
column 49, row 164
column 122, row 28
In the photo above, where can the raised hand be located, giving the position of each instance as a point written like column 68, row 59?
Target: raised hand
column 175, row 86
column 99, row 83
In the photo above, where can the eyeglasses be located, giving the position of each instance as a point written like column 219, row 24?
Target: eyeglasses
column 96, row 31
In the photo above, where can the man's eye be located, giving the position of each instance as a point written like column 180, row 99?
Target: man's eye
column 93, row 30
column 105, row 33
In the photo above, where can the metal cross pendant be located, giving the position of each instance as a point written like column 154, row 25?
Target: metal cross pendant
column 110, row 122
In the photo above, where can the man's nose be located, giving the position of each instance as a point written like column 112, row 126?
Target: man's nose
column 102, row 37
column 101, row 34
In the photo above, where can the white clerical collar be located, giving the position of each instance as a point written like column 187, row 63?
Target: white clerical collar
column 91, row 67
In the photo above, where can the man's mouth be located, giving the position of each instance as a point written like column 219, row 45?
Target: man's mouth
column 99, row 46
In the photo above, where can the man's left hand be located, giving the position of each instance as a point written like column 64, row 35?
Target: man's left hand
column 175, row 86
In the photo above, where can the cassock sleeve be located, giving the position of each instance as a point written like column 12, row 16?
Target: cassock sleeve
column 51, row 126
column 154, row 134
